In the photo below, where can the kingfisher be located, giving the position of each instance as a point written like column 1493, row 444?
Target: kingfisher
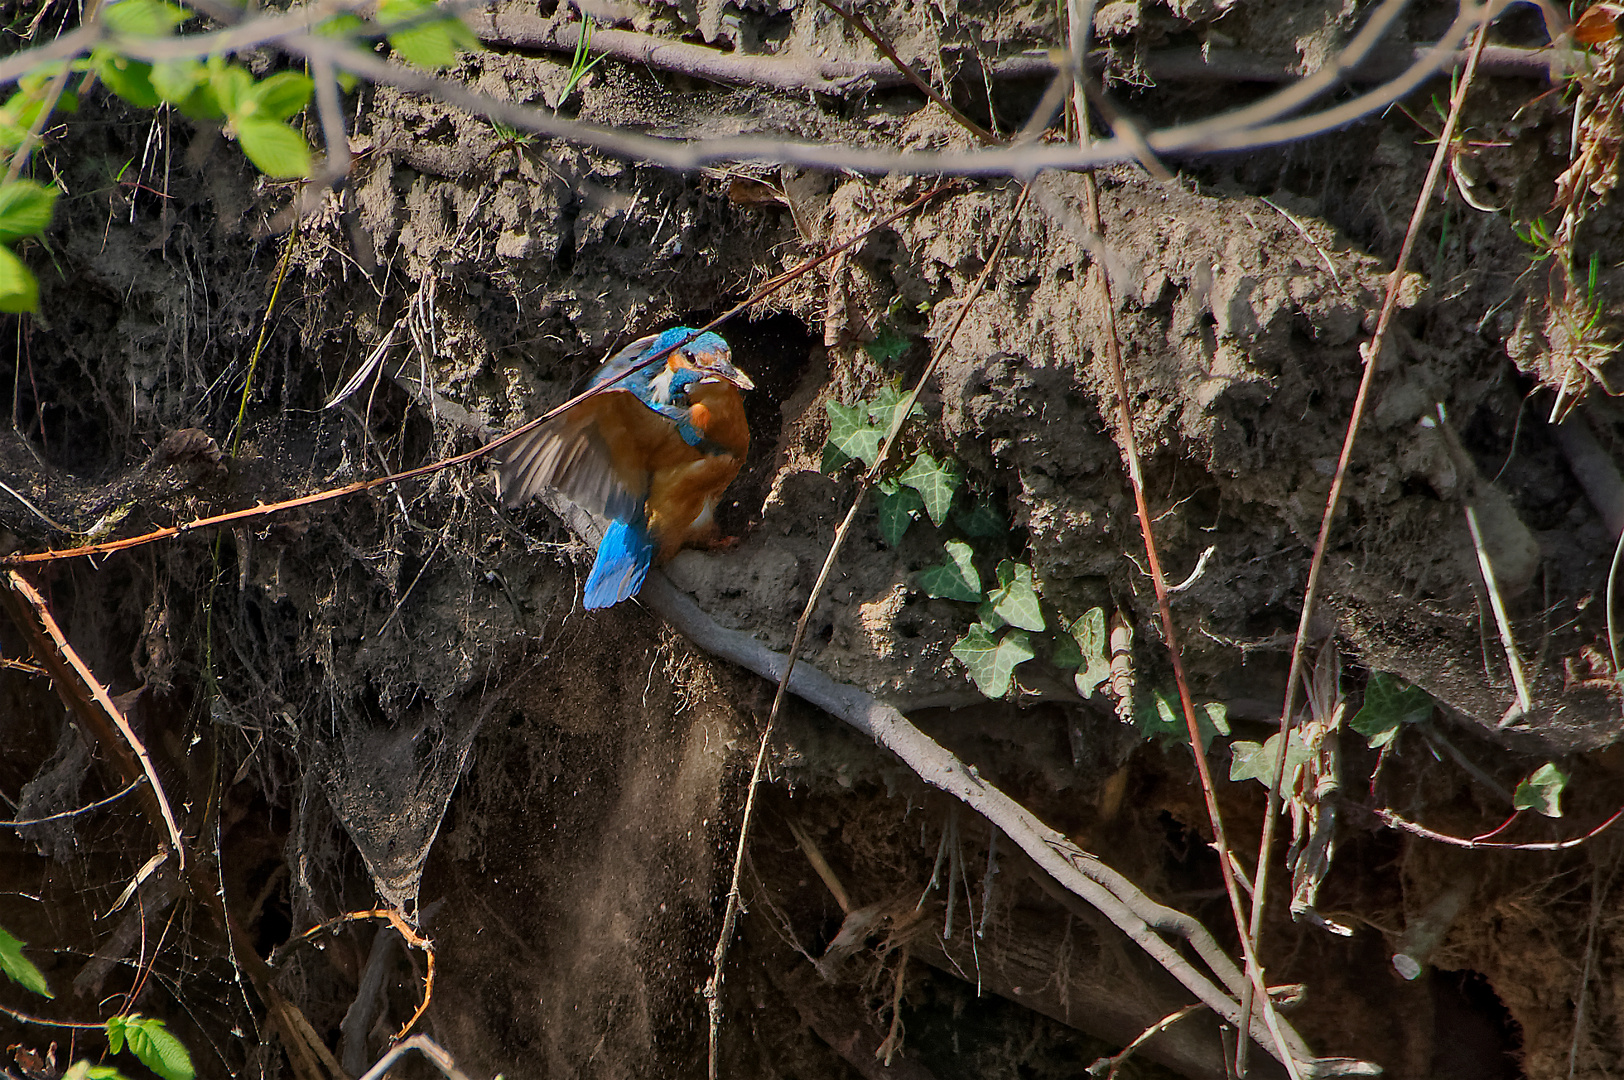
column 653, row 452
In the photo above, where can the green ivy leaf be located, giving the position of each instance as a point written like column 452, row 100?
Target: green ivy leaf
column 899, row 506
column 992, row 663
column 955, row 579
column 989, row 618
column 433, row 43
column 1257, row 761
column 982, row 519
column 1162, row 718
column 1016, row 598
column 143, row 18
column 885, row 406
column 25, row 209
column 18, row 968
column 1088, row 641
column 888, row 347
column 1389, row 705
column 1542, row 791
column 275, row 148
column 152, row 1045
column 19, row 289
column 936, row 481
column 850, row 436
column 280, row 97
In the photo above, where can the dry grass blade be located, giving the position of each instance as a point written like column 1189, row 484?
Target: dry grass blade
column 87, row 699
column 713, row 988
column 1372, row 357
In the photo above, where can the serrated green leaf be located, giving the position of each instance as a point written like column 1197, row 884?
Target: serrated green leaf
column 25, row 209
column 885, row 406
column 982, row 519
column 174, row 80
column 84, row 1070
column 152, row 1044
column 18, row 968
column 129, row 79
column 279, row 97
column 143, row 18
column 1162, row 718
column 35, row 82
column 1016, row 598
column 992, row 663
column 1257, row 761
column 433, row 44
column 275, row 148
column 955, row 579
column 19, row 289
column 232, row 85
column 936, row 481
column 898, row 507
column 850, row 436
column 1542, row 791
column 1388, row 706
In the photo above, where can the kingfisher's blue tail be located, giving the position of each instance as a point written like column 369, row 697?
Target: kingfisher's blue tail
column 624, row 557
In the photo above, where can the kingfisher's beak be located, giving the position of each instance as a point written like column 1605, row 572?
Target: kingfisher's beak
column 720, row 366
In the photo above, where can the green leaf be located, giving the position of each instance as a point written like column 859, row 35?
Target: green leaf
column 280, row 152
column 955, row 579
column 25, row 209
column 850, row 436
column 1162, row 718
column 19, row 289
column 981, row 520
column 888, row 346
column 281, row 96
column 936, row 481
column 992, row 663
column 174, row 80
column 152, row 1045
column 1389, row 705
column 1257, row 761
column 84, row 1070
column 885, row 406
column 129, row 79
column 1016, row 598
column 899, row 506
column 18, row 968
column 232, row 85
column 1542, row 791
column 433, row 43
column 989, row 618
column 1092, row 648
column 143, row 18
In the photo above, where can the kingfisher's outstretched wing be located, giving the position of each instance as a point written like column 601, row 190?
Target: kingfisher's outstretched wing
column 601, row 452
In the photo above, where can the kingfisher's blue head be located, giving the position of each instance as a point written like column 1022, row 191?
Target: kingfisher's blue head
column 706, row 356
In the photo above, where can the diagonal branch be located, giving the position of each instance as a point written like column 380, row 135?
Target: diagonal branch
column 87, row 699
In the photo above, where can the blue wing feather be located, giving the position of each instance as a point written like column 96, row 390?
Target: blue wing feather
column 624, row 556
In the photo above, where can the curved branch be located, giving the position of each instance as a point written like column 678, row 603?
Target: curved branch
column 1136, row 914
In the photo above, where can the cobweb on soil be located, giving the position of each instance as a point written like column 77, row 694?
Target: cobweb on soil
column 389, row 787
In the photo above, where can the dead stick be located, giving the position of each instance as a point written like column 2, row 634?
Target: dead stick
column 1372, row 356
